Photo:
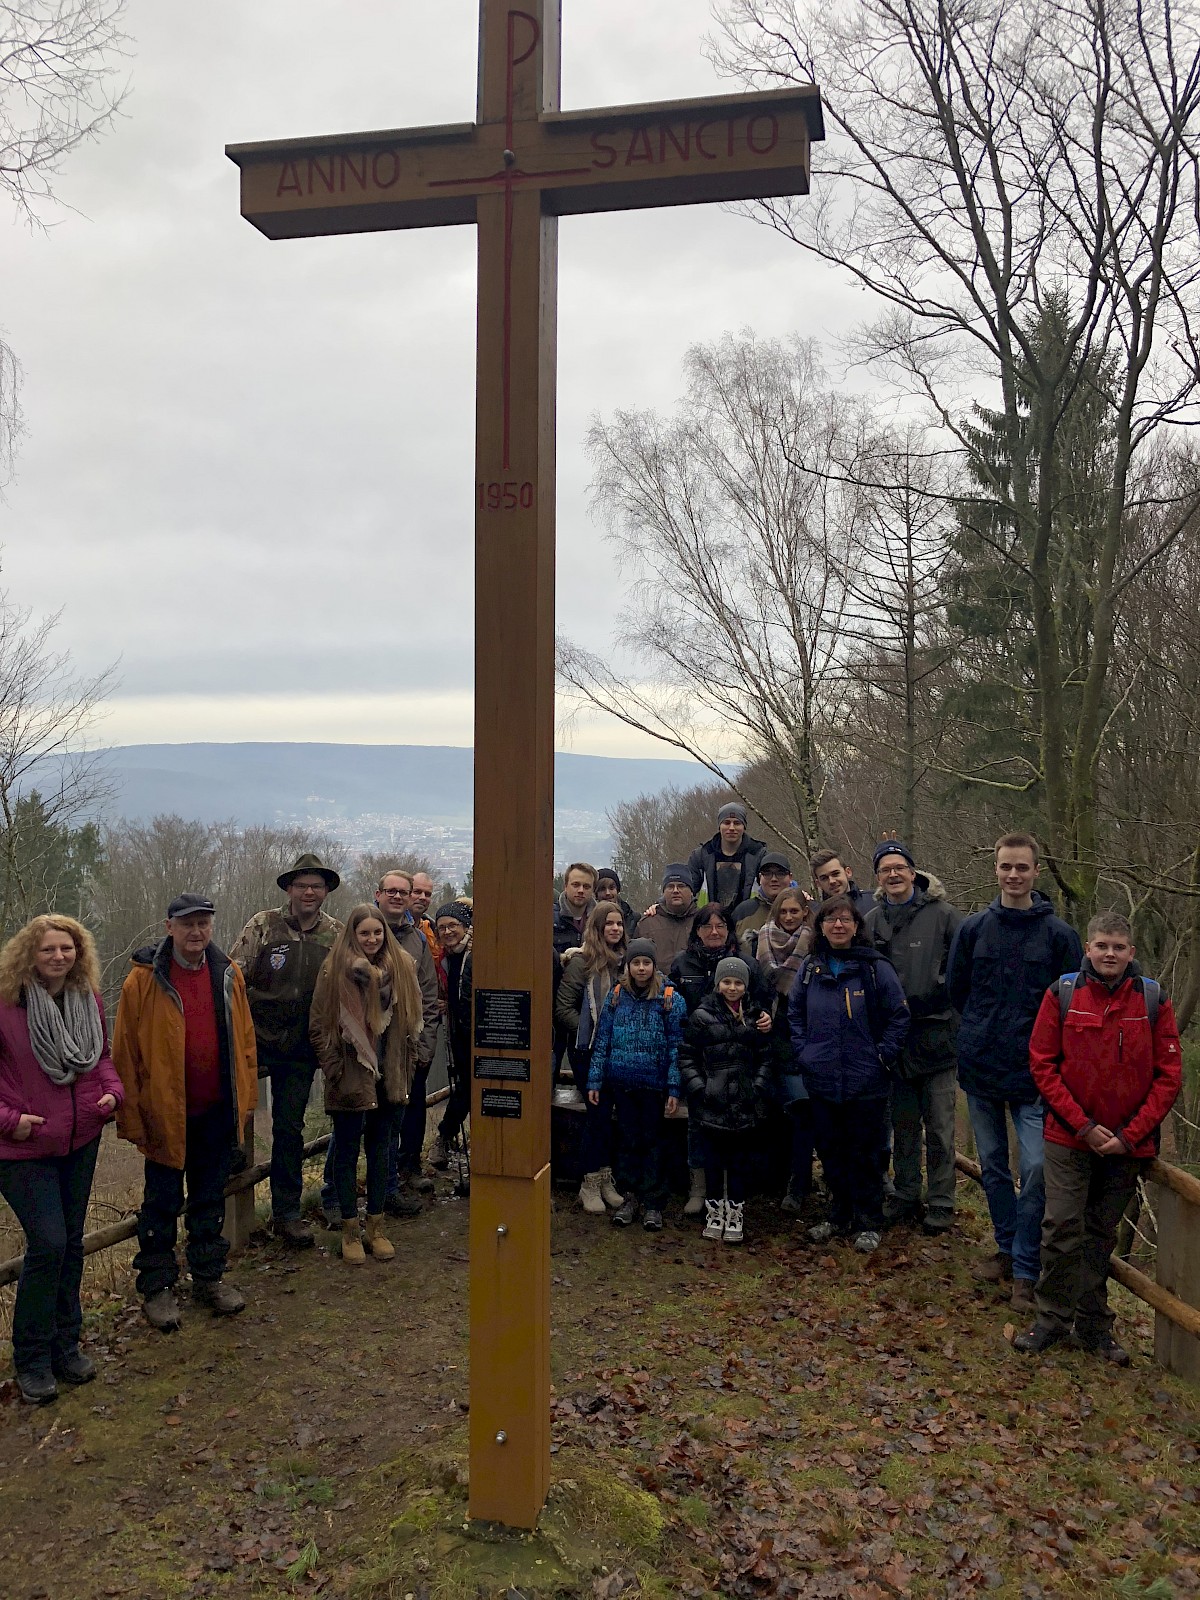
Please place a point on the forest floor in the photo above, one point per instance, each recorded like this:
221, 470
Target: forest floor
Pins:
774, 1420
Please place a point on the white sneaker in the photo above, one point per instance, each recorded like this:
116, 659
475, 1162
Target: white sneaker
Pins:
589, 1195
733, 1221
866, 1241
714, 1226
608, 1190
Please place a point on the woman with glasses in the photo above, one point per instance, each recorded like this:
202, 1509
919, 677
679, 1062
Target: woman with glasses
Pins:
848, 1019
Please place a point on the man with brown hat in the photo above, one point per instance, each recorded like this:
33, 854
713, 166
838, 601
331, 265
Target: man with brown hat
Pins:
280, 952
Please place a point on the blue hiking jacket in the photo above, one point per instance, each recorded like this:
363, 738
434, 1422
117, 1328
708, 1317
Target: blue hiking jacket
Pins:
1001, 963
637, 1040
847, 1030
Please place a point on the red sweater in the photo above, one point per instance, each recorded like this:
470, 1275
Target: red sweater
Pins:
201, 1040
1103, 1064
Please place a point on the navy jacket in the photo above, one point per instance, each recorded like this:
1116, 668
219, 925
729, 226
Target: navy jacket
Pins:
847, 1030
1001, 963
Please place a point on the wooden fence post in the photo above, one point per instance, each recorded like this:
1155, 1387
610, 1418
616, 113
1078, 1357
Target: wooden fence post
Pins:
239, 1208
1178, 1268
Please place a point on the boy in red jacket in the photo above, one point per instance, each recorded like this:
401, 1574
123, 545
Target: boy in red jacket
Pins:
1104, 1054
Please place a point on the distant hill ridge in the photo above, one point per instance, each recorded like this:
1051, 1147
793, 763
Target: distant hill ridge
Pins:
269, 783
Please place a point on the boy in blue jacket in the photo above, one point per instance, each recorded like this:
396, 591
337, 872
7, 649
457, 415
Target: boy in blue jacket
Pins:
636, 1057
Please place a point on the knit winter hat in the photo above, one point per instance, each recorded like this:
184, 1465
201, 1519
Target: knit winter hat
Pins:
677, 872
458, 909
732, 967
891, 847
608, 875
732, 808
641, 947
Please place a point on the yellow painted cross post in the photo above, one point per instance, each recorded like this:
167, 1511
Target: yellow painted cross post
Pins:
513, 172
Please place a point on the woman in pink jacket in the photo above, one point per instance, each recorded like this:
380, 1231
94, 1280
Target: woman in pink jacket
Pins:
58, 1087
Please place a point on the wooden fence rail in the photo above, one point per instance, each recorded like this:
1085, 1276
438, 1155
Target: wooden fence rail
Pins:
241, 1183
1176, 1320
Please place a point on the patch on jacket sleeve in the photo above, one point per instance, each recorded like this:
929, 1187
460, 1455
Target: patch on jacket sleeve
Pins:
278, 958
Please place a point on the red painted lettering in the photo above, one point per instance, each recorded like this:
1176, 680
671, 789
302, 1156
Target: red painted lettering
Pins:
684, 150
602, 149
316, 170
639, 147
288, 185
772, 133
377, 167
359, 173
709, 155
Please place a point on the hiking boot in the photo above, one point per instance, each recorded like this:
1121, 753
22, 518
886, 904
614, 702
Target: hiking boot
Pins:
653, 1220
1022, 1294
1104, 1346
416, 1182
626, 1213
608, 1190
590, 1197
937, 1227
1042, 1336
995, 1269
439, 1156
734, 1210
714, 1223
73, 1366
896, 1212
822, 1232
161, 1311
331, 1217
693, 1206
378, 1243
402, 1205
793, 1204
294, 1232
352, 1245
37, 1388
866, 1241
221, 1298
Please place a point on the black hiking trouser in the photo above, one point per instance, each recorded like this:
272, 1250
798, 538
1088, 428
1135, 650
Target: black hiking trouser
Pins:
639, 1165
205, 1174
851, 1137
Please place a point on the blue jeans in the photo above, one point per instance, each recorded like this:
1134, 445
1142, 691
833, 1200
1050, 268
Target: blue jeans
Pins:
374, 1130
1016, 1219
49, 1199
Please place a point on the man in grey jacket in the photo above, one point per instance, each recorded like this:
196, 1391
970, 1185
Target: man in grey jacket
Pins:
913, 924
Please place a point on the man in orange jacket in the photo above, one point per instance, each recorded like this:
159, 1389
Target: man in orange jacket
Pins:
1105, 1056
184, 1047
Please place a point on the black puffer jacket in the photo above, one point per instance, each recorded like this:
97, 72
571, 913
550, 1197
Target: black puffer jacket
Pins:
692, 972
728, 879
725, 1066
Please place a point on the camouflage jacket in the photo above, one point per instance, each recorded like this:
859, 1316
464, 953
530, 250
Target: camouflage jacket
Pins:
280, 964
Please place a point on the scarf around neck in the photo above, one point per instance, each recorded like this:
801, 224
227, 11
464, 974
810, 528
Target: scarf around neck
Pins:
67, 1043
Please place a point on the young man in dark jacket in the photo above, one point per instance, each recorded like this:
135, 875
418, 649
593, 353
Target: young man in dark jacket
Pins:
832, 877
1001, 964
724, 867
913, 924
774, 875
1108, 1074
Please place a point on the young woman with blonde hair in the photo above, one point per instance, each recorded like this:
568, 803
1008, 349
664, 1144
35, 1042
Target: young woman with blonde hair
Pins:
590, 974
364, 1024
58, 1087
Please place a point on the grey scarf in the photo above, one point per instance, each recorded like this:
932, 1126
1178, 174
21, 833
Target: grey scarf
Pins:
66, 1043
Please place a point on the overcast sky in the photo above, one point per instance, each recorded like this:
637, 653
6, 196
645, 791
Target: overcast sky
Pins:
248, 467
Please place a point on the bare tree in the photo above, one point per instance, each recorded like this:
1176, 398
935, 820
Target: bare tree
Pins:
984, 159
56, 92
46, 714
738, 540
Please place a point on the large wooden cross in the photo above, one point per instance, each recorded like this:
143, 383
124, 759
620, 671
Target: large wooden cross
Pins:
513, 172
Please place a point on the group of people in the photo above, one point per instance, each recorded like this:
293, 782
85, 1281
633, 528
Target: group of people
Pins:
785, 1022
195, 1030
851, 1017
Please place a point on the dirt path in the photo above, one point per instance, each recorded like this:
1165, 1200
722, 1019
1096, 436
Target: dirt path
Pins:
775, 1421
